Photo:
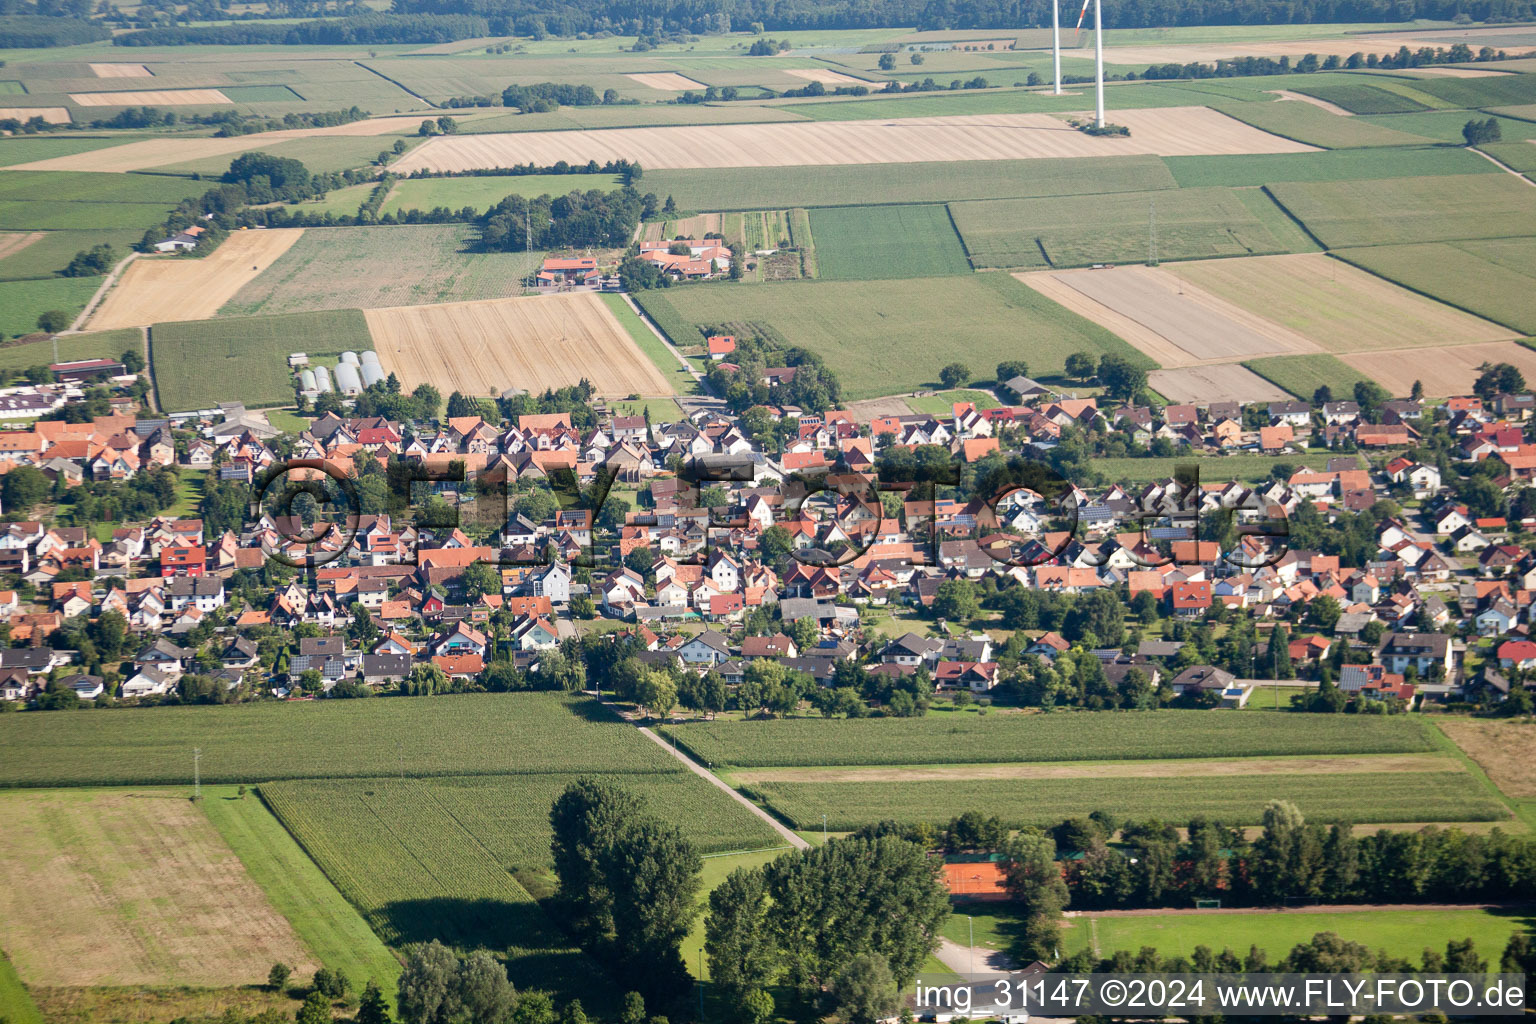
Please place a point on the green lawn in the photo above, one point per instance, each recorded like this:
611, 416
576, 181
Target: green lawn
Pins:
326, 922
22, 302
99, 345
866, 243
1303, 375
1404, 933
942, 403
16, 1006
683, 382
887, 337
189, 492
1275, 698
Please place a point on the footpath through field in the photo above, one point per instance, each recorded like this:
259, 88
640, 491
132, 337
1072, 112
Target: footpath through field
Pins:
709, 776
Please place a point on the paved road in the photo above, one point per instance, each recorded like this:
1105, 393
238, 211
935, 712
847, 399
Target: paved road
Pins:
703, 773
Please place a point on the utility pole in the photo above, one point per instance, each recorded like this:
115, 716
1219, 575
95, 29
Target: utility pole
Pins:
1152, 234
197, 774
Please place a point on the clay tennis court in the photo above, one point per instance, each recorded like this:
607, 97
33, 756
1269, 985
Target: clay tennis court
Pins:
120, 71
150, 97
481, 348
53, 115
825, 76
667, 81
124, 888
1215, 382
1177, 324
1444, 370
1170, 131
159, 289
12, 243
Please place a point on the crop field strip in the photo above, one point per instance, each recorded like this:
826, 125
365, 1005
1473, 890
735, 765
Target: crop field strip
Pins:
1173, 131
880, 242
877, 336
1495, 279
1075, 736
485, 192
1301, 376
1409, 796
199, 363
1360, 98
1407, 210
535, 343
1231, 382
22, 301
1072, 231
376, 266
1328, 165
141, 874
1443, 371
475, 734
163, 288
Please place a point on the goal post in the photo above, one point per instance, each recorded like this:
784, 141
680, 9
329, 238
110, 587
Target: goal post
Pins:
1207, 904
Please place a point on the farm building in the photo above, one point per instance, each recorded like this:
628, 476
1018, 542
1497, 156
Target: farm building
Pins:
558, 270
180, 241
88, 369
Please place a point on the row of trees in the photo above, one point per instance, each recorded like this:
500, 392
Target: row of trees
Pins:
362, 29
578, 220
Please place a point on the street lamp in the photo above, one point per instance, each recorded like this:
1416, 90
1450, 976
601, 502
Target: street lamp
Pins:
970, 927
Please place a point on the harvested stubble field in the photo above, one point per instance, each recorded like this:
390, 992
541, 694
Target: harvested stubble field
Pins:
124, 888
866, 243
120, 71
1501, 748
1074, 736
200, 363
1394, 211
1495, 278
1231, 382
1174, 325
1443, 371
23, 149
825, 76
878, 336
757, 188
369, 267
1172, 131
666, 81
475, 734
155, 289
1338, 306
1074, 231
546, 341
1303, 375
1239, 799
53, 115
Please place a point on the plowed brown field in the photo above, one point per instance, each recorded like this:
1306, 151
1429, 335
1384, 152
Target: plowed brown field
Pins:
546, 341
161, 289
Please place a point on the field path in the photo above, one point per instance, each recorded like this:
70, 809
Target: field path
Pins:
101, 293
662, 337
785, 833
1500, 164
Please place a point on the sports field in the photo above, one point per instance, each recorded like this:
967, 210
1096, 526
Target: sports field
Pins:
1442, 370
200, 363
546, 341
1401, 933
368, 267
1494, 278
1074, 231
1169, 131
142, 875
1338, 306
866, 243
878, 336
1394, 211
157, 288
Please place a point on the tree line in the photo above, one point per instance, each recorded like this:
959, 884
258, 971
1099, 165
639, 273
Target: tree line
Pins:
364, 29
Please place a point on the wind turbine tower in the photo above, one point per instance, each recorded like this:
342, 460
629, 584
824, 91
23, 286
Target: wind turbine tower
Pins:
1098, 56
1055, 46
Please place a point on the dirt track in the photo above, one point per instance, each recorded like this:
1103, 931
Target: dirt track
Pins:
163, 289
546, 341
1170, 131
1301, 97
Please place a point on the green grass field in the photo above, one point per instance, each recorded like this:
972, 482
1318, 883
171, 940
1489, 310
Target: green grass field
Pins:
476, 734
1304, 122
76, 215
483, 192
21, 302
16, 1006
100, 345
1360, 98
200, 363
879, 336
340, 202
1074, 736
1495, 278
1483, 91
1303, 375
52, 252
51, 187
1242, 467
1446, 126
1519, 155
370, 267
299, 891
1393, 211
683, 382
759, 188
1328, 165
1073, 231
868, 243
1402, 933
1239, 799
942, 403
